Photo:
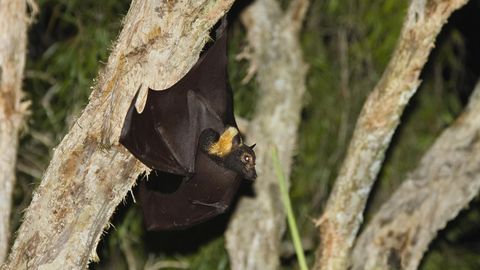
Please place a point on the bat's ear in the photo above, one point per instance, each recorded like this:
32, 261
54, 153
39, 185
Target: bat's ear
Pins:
237, 140
252, 146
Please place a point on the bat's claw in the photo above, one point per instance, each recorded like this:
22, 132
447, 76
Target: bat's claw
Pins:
219, 206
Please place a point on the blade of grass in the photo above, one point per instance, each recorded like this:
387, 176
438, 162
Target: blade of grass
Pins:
292, 224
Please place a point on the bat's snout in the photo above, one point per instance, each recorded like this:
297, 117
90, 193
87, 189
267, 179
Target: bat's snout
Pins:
251, 175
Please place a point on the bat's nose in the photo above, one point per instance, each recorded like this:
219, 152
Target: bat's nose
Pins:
252, 175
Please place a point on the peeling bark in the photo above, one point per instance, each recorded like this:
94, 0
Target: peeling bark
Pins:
90, 173
253, 236
13, 39
446, 180
374, 129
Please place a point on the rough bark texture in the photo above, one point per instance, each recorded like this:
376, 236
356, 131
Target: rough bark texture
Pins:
90, 173
377, 122
253, 236
13, 38
445, 181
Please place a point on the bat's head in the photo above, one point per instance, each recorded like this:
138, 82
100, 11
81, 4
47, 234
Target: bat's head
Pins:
229, 150
242, 160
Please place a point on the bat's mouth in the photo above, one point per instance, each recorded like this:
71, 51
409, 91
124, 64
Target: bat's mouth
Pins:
250, 175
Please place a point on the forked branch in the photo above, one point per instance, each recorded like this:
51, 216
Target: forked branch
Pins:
374, 129
445, 181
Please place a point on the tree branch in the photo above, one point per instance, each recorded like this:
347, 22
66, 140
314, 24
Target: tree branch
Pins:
90, 173
253, 236
374, 129
13, 40
446, 180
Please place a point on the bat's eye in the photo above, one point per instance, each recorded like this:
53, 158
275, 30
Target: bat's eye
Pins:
247, 158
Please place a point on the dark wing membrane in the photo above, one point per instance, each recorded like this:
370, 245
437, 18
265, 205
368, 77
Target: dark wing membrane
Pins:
209, 79
207, 194
165, 135
212, 78
148, 139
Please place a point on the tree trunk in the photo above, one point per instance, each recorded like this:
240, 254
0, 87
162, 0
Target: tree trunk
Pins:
374, 129
253, 236
90, 173
446, 180
13, 39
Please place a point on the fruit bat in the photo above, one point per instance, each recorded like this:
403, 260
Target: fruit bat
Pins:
188, 132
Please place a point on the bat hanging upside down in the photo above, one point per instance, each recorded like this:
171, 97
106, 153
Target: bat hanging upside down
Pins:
189, 130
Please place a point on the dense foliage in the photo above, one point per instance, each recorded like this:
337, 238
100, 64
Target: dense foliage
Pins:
347, 44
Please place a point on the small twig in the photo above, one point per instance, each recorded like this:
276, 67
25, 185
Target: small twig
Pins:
33, 11
162, 264
29, 170
246, 54
40, 75
127, 250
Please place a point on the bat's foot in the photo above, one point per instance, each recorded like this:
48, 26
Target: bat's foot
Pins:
221, 207
187, 177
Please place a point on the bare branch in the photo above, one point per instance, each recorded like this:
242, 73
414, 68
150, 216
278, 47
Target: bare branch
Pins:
446, 180
13, 39
253, 237
377, 122
296, 13
90, 173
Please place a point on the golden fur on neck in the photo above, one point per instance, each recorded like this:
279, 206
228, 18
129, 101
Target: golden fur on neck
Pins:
224, 144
